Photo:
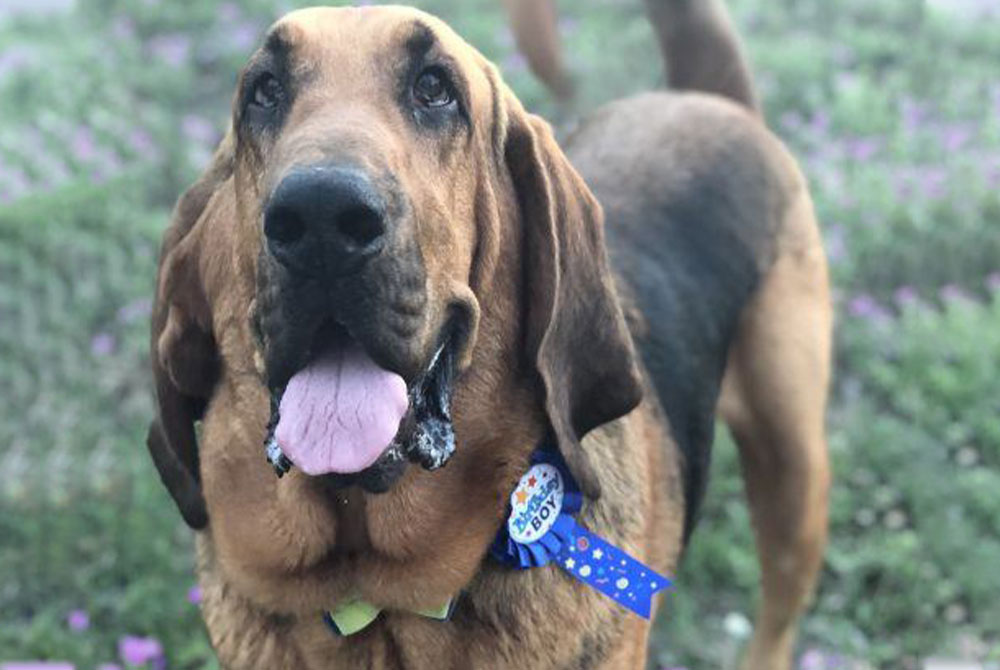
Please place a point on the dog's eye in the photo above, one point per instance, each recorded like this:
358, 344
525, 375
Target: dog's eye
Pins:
268, 92
433, 89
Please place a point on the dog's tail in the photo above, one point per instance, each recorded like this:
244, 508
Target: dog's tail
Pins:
701, 49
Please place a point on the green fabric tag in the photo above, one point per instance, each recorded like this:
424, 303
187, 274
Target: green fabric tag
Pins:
356, 615
353, 616
442, 613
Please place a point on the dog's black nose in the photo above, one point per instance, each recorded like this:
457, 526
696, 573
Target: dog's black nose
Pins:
325, 219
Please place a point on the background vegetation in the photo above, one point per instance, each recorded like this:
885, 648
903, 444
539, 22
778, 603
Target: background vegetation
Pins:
108, 109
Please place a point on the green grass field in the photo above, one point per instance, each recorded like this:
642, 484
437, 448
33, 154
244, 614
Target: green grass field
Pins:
893, 107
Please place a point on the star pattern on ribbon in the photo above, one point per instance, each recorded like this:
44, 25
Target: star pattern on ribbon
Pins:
583, 554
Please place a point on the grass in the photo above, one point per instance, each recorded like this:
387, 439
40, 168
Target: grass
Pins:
893, 109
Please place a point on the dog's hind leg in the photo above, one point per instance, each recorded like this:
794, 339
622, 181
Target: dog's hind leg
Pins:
774, 399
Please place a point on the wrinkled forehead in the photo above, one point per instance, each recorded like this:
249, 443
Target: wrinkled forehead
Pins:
364, 42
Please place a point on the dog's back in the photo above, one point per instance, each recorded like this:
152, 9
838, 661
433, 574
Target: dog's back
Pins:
687, 181
711, 231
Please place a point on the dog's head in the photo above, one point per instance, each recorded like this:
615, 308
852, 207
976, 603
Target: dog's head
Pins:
382, 219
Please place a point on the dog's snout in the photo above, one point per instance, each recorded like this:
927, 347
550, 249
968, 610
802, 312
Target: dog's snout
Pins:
325, 219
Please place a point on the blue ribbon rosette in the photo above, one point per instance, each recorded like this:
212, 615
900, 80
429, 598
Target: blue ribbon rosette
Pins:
541, 529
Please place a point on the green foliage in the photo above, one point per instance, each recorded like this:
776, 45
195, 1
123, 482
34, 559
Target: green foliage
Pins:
893, 109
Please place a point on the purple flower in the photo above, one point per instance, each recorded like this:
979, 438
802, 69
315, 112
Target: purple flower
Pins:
791, 121
993, 282
906, 296
568, 25
902, 185
820, 122
141, 142
933, 183
514, 63
123, 28
78, 621
107, 164
14, 59
228, 12
955, 136
954, 293
102, 344
862, 149
505, 37
194, 595
913, 114
242, 36
812, 659
866, 307
109, 666
15, 181
138, 651
83, 144
198, 128
993, 173
172, 49
845, 80
135, 310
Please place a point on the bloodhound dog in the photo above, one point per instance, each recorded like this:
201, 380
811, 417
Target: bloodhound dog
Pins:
388, 260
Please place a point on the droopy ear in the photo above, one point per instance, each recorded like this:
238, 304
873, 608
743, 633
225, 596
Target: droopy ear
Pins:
183, 352
575, 326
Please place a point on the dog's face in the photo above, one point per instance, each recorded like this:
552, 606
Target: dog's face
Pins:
357, 155
355, 146
383, 223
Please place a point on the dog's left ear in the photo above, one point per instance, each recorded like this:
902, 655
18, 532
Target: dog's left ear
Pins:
575, 327
184, 356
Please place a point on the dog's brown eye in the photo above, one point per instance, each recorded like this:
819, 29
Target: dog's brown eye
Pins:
432, 88
268, 92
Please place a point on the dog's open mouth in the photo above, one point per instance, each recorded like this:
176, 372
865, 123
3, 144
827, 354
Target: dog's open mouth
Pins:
345, 416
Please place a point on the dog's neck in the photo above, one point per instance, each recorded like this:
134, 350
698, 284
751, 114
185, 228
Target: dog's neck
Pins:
295, 545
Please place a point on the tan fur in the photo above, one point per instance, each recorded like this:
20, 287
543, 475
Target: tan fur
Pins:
774, 401
507, 228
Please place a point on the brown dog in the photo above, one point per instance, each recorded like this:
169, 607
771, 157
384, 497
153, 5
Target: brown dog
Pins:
385, 215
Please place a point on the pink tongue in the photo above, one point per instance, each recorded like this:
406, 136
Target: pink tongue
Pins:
340, 413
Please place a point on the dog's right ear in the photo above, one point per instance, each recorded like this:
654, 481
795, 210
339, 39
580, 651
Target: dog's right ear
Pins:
182, 348
575, 328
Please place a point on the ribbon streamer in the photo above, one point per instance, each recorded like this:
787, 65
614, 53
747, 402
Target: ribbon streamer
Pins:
541, 529
603, 566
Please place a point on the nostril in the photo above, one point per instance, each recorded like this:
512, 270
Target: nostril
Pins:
360, 225
284, 226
